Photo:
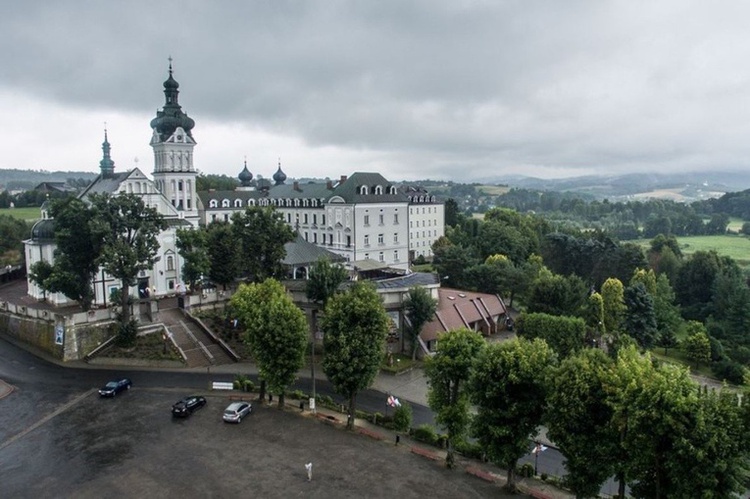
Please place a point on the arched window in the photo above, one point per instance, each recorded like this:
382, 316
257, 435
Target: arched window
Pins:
363, 190
238, 203
296, 202
225, 203
378, 190
392, 190
305, 203
213, 203
170, 262
288, 203
251, 202
315, 202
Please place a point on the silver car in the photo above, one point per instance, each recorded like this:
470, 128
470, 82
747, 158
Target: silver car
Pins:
236, 411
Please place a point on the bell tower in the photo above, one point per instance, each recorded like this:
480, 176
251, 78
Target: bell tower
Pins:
173, 143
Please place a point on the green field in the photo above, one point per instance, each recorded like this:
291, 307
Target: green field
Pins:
735, 246
32, 213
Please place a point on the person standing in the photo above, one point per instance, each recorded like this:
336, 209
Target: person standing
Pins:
308, 467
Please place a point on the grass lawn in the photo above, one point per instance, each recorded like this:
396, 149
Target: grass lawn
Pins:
400, 363
735, 246
29, 213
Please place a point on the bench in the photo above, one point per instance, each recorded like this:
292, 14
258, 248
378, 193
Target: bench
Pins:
222, 385
370, 433
425, 453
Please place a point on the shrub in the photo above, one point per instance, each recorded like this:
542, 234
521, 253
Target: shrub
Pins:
248, 385
126, 334
472, 450
526, 470
425, 433
402, 417
729, 370
239, 381
299, 395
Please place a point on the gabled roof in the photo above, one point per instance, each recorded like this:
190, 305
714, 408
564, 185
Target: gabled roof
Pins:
408, 281
109, 184
457, 309
350, 189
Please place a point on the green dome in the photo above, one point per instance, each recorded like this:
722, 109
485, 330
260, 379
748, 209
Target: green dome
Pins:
43, 230
171, 116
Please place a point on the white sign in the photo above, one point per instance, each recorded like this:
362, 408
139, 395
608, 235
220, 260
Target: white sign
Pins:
59, 334
312, 403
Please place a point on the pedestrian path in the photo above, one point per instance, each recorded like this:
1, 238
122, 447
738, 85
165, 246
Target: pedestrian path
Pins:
199, 348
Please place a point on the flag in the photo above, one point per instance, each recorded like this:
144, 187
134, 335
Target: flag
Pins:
539, 448
393, 401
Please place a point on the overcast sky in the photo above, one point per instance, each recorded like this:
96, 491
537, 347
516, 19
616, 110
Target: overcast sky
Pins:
449, 89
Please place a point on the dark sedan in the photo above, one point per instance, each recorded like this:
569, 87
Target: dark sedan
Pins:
186, 406
114, 387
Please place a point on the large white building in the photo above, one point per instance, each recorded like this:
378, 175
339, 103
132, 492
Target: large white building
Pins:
172, 193
361, 217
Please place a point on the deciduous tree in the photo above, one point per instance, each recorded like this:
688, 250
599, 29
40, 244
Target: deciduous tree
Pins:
509, 388
262, 234
640, 320
419, 308
277, 331
192, 245
355, 326
448, 372
565, 335
614, 304
129, 236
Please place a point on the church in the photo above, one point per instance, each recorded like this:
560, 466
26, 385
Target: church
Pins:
172, 192
368, 221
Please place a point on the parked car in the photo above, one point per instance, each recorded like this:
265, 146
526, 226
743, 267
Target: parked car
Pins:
114, 387
236, 411
186, 406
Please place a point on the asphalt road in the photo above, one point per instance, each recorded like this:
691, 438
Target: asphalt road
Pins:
43, 387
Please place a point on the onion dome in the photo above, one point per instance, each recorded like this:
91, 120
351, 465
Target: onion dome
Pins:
245, 176
106, 165
279, 177
43, 230
171, 116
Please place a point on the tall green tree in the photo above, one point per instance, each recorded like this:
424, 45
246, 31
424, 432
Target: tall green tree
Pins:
508, 386
557, 295
355, 326
579, 421
419, 308
77, 253
192, 245
262, 234
565, 335
640, 319
224, 259
12, 233
277, 331
614, 304
697, 347
324, 281
129, 233
448, 372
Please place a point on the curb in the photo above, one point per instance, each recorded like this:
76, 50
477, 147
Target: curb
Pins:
5, 389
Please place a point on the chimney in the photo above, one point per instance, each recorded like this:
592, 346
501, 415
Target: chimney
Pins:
296, 185
343, 179
329, 185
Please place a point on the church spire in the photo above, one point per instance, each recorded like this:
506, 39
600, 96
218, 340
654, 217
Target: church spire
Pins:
106, 165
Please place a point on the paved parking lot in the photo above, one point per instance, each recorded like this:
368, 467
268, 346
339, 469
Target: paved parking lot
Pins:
130, 446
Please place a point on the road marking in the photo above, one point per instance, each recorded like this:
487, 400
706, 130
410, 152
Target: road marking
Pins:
39, 423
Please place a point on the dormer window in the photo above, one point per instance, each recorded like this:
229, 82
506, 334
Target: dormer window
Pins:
392, 190
251, 202
363, 190
225, 203
213, 203
378, 190
296, 202
238, 203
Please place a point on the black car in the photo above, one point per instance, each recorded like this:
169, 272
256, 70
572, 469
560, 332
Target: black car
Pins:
186, 406
114, 387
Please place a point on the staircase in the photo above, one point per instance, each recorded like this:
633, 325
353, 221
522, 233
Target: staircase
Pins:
199, 348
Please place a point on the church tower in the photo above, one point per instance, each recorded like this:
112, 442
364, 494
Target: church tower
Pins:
173, 143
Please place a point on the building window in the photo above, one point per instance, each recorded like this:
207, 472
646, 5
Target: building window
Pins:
306, 236
378, 190
315, 237
367, 219
395, 256
395, 219
315, 219
238, 203
289, 218
367, 255
381, 239
395, 237
381, 219
188, 204
323, 218
179, 186
226, 217
170, 263
381, 257
225, 203
363, 190
170, 284
348, 241
213, 218
213, 203
305, 219
367, 239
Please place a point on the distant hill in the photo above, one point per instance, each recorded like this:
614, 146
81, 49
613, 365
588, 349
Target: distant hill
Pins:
27, 179
686, 186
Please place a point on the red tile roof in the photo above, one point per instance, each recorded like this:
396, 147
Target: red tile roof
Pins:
457, 309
